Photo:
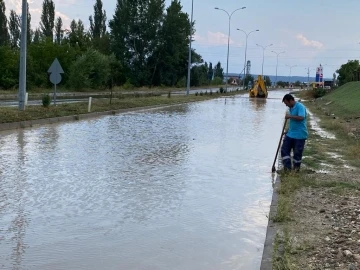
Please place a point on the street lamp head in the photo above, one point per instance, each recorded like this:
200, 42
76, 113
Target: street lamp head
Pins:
243, 7
257, 30
216, 8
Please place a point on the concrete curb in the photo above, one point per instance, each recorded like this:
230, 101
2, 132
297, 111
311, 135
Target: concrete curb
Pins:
45, 121
266, 261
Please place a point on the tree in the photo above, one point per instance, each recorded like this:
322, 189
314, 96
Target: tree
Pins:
249, 78
267, 80
37, 35
282, 84
297, 83
135, 30
100, 38
199, 75
349, 72
91, 70
219, 71
98, 22
169, 62
4, 33
59, 32
77, 35
9, 68
48, 19
210, 72
29, 31
14, 29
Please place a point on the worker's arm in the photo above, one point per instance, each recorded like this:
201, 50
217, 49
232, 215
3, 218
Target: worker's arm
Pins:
295, 117
299, 115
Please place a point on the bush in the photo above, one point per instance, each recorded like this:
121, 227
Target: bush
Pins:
181, 83
319, 92
201, 93
169, 95
221, 89
128, 85
91, 70
196, 93
217, 81
46, 100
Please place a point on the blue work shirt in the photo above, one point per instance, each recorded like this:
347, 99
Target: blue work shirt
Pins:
298, 129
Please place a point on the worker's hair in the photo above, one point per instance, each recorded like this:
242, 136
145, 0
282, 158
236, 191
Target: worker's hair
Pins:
288, 97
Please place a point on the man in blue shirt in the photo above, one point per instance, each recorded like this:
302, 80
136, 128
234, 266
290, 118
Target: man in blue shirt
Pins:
296, 135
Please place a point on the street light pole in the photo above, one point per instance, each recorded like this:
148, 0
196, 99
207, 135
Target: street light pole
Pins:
277, 63
228, 48
247, 35
22, 75
262, 69
190, 40
290, 72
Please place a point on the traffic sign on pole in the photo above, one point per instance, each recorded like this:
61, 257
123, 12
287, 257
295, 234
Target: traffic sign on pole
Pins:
55, 71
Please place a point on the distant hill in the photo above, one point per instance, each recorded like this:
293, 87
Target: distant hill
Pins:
281, 78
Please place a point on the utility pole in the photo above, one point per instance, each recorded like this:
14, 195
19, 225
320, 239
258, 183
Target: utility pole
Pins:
22, 75
189, 60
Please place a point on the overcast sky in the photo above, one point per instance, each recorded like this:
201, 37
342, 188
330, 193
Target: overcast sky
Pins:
311, 32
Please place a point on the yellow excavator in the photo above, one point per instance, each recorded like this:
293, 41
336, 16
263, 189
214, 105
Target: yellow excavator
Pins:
259, 89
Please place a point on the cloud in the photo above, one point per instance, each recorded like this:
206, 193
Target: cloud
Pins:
214, 39
35, 8
309, 43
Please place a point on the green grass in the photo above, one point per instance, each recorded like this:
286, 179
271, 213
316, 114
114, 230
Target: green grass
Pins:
316, 151
345, 100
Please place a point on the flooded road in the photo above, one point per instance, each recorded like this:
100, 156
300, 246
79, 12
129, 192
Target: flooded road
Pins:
182, 187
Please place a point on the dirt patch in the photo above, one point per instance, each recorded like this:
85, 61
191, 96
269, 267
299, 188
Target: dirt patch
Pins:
327, 230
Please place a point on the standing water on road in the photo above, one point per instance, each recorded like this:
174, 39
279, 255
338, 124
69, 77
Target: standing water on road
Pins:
181, 187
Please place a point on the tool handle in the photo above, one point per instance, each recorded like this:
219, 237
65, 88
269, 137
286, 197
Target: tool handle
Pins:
277, 151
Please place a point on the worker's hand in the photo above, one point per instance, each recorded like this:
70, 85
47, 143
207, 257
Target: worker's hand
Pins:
287, 116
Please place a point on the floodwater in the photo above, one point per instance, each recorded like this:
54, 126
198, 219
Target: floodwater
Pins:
182, 187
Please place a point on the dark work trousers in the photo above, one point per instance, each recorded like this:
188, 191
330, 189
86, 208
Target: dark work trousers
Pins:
297, 146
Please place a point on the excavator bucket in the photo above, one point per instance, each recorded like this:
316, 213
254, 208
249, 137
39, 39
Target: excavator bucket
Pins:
259, 89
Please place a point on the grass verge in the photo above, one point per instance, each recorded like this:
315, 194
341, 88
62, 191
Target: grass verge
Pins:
295, 242
8, 115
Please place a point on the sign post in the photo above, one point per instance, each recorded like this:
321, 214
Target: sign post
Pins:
55, 71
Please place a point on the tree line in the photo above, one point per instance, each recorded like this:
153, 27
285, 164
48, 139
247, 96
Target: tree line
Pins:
143, 44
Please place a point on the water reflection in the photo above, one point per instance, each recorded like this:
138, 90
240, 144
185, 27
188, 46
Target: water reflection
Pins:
258, 104
182, 187
13, 201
